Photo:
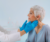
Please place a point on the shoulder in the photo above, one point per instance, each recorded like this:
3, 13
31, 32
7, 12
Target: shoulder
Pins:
47, 27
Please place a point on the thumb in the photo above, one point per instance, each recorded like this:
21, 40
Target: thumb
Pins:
29, 22
25, 22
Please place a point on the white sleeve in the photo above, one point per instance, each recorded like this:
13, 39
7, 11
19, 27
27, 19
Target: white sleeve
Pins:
9, 37
3, 30
17, 34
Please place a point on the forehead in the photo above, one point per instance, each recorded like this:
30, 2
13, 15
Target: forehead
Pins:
31, 10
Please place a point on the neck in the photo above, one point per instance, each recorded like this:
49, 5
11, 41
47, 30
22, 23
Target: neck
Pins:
40, 24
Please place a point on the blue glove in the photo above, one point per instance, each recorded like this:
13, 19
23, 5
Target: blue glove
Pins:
23, 26
30, 26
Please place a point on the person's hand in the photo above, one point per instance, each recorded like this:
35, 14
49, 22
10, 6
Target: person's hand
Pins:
29, 26
23, 26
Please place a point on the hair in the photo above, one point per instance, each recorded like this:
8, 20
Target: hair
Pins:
38, 10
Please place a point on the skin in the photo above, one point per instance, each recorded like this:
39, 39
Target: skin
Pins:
31, 17
21, 32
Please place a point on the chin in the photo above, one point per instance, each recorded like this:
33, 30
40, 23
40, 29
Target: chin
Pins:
29, 20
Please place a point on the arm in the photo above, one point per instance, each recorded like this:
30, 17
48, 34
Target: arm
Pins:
21, 32
27, 27
9, 37
3, 30
15, 36
47, 33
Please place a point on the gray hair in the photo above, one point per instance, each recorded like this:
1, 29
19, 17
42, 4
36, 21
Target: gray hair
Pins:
38, 10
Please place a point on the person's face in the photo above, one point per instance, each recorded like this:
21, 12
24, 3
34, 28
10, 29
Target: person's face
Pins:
31, 16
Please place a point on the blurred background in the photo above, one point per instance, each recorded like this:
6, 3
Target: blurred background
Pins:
13, 13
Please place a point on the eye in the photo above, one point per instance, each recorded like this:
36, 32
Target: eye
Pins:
30, 13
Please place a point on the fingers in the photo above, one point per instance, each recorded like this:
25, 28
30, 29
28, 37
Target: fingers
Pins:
29, 22
35, 22
25, 22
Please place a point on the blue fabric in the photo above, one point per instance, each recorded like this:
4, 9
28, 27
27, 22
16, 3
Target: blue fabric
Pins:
42, 36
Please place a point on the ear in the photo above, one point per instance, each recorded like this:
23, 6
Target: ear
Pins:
38, 17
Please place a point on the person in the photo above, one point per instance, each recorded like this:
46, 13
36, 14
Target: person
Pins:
41, 33
12, 36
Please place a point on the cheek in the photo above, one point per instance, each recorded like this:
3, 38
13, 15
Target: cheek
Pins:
32, 18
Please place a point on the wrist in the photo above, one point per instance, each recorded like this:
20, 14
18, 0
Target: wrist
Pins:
22, 32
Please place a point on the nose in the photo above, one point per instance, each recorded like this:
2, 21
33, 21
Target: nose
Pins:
28, 15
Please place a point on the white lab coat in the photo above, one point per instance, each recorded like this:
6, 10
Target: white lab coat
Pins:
9, 36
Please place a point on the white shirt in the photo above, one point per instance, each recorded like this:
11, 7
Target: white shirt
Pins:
9, 36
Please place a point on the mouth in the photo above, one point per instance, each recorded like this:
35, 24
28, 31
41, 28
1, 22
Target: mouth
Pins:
28, 18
